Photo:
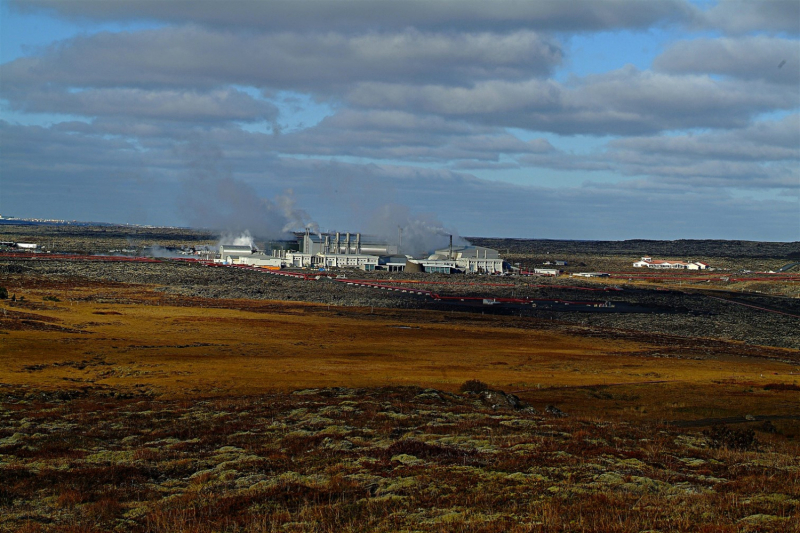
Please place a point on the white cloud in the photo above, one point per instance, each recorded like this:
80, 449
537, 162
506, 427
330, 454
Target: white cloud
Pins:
413, 91
770, 59
200, 58
625, 101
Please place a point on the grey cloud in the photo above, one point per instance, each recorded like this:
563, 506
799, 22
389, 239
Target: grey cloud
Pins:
759, 156
564, 161
112, 177
144, 131
53, 174
764, 155
199, 58
399, 121
380, 135
43, 149
742, 16
396, 135
590, 212
483, 98
190, 106
626, 101
484, 165
716, 174
355, 15
746, 58
762, 141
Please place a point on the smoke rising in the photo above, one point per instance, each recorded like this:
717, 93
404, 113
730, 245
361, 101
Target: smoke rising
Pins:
421, 233
243, 239
213, 199
233, 207
157, 251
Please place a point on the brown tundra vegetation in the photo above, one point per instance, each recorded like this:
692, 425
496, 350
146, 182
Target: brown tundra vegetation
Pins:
130, 407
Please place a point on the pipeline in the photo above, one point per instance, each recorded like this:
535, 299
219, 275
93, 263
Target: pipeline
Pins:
76, 257
752, 306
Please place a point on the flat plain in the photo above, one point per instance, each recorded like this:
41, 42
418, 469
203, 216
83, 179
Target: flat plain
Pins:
130, 405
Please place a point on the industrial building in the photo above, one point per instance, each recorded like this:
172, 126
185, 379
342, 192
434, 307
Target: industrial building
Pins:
648, 262
343, 244
245, 255
20, 245
469, 259
337, 250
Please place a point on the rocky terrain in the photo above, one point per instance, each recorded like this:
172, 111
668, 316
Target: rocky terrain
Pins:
682, 314
116, 415
102, 239
402, 459
596, 255
638, 247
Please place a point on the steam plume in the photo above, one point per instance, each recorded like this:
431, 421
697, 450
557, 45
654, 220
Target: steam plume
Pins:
213, 199
243, 239
421, 233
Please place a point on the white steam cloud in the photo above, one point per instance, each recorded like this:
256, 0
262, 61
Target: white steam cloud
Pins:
421, 233
213, 199
243, 239
157, 251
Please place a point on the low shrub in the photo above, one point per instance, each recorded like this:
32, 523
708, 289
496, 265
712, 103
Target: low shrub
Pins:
434, 452
474, 385
733, 439
782, 386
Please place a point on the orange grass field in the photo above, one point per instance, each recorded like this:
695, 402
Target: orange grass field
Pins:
134, 337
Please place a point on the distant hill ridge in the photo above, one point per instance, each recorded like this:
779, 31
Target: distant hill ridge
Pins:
641, 247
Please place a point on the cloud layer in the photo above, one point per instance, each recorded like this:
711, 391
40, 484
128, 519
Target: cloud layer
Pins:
455, 108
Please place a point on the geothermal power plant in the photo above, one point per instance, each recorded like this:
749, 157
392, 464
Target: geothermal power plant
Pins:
336, 250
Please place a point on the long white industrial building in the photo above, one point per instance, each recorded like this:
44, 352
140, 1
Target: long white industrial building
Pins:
349, 251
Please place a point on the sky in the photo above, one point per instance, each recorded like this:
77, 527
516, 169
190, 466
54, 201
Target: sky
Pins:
588, 119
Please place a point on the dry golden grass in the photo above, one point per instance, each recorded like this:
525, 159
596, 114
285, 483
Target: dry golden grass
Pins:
217, 450
132, 337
